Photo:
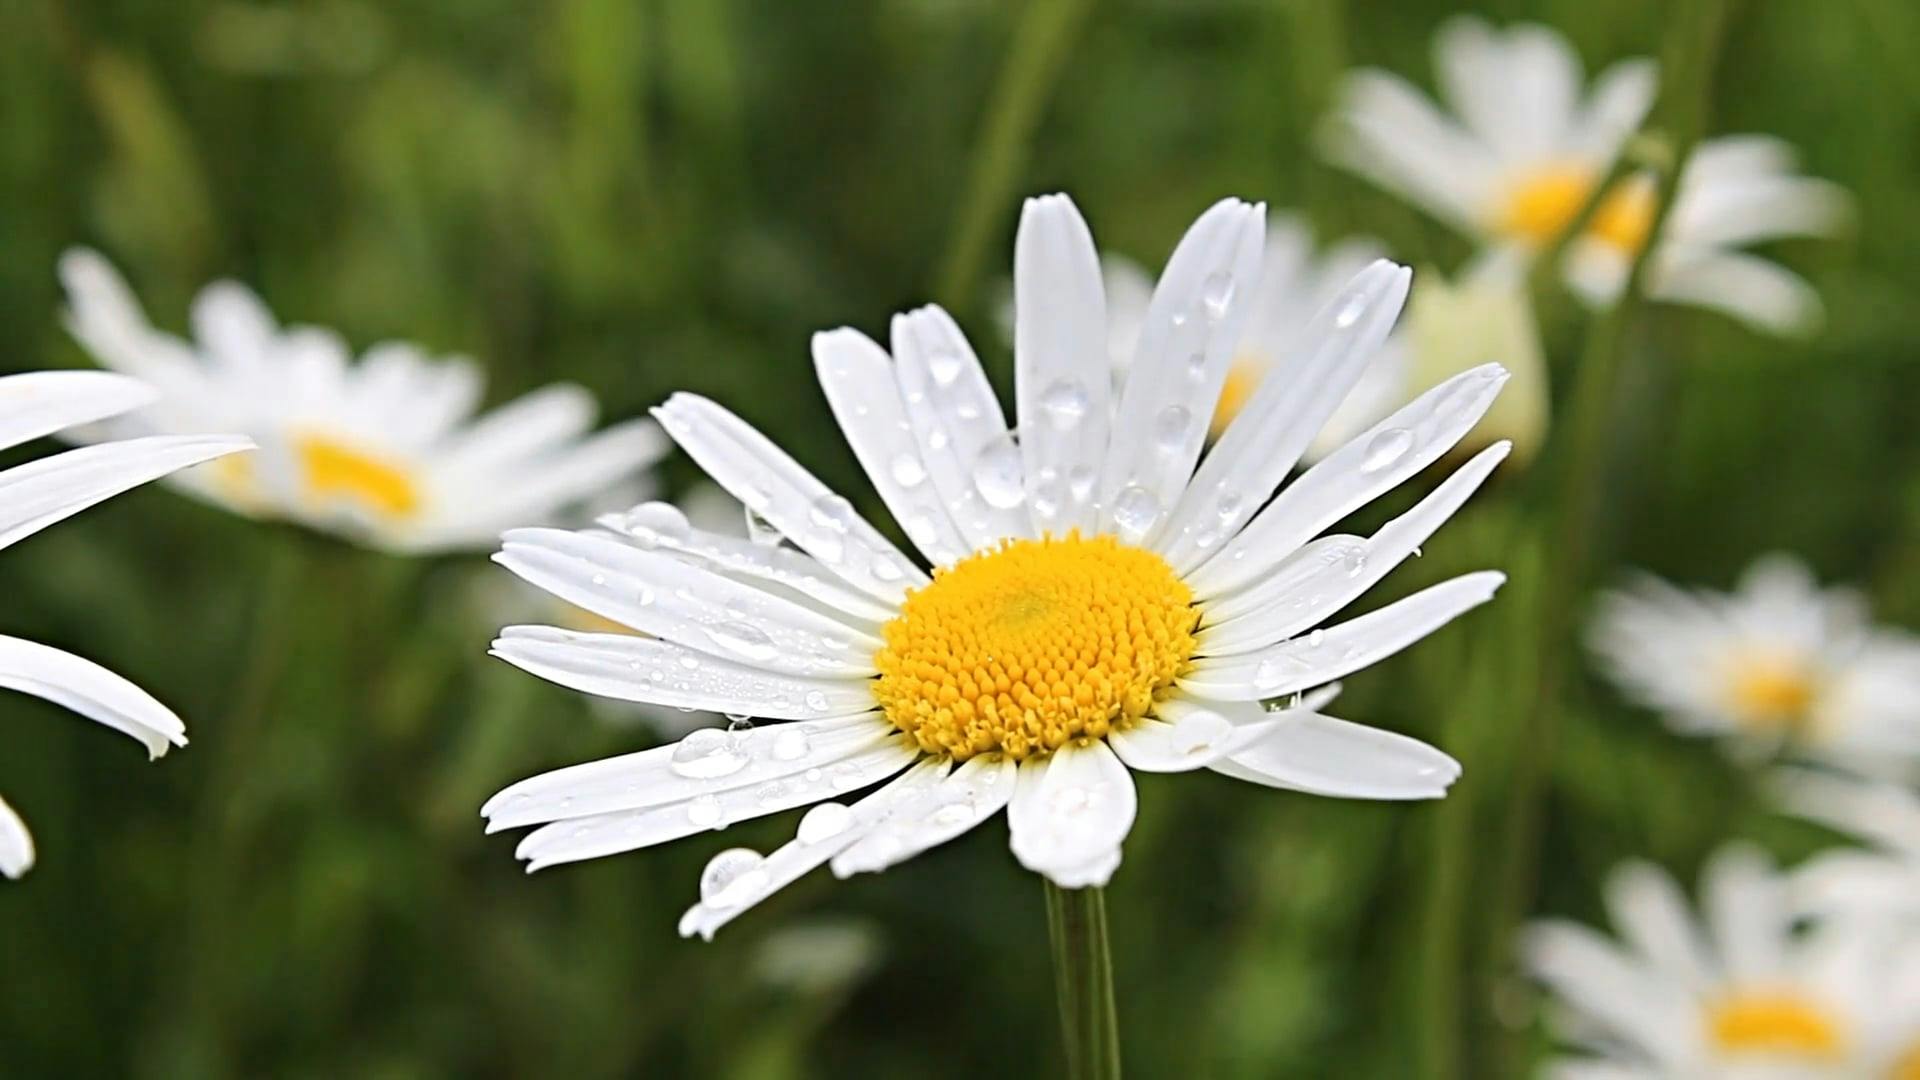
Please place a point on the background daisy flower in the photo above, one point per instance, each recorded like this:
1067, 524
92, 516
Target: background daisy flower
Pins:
39, 493
1525, 144
1883, 878
1778, 662
1741, 993
1097, 604
386, 450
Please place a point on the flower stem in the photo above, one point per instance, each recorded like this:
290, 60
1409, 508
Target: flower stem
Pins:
1040, 43
1083, 977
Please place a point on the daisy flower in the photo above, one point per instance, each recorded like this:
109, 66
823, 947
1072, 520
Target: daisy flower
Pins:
1882, 879
1777, 663
1519, 157
1746, 996
1096, 603
387, 450
39, 493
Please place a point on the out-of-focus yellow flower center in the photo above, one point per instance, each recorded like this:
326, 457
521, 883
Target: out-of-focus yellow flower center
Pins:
1908, 1067
1029, 646
1782, 1025
331, 471
1243, 378
1542, 204
1772, 691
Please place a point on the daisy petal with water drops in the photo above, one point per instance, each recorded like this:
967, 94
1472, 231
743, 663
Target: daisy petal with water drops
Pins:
1061, 632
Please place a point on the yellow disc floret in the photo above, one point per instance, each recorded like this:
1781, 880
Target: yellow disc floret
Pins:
332, 470
1026, 647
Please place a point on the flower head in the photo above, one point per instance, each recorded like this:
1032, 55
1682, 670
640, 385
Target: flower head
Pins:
1527, 142
1748, 994
1101, 597
1778, 662
39, 493
386, 450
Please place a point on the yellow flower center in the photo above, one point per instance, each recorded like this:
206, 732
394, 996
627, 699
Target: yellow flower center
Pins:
1780, 1025
1772, 692
1026, 647
1908, 1067
332, 471
1542, 204
1243, 378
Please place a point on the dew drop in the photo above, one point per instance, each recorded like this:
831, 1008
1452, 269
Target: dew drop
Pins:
760, 530
743, 639
1135, 511
1356, 562
1350, 312
996, 474
1227, 505
1170, 429
1197, 365
824, 822
944, 365
656, 523
1065, 403
705, 812
832, 513
708, 754
1386, 448
1317, 638
732, 878
1080, 482
791, 743
907, 470
817, 700
1216, 292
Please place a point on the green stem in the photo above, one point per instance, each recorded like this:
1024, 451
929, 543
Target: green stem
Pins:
1083, 977
1040, 43
1579, 483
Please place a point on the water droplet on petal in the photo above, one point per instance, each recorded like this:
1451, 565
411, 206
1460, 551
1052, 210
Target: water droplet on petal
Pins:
732, 878
817, 700
1080, 480
791, 743
824, 822
944, 365
1170, 428
656, 523
743, 639
1066, 403
708, 754
1216, 292
760, 530
1316, 639
1135, 511
996, 474
1350, 313
907, 470
706, 812
832, 513
1386, 448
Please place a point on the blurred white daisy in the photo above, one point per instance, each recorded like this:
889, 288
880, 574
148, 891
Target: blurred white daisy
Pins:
387, 450
1881, 879
1747, 996
1521, 154
1096, 605
1779, 663
39, 493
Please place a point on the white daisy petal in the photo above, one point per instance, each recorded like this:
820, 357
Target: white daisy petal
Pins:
1306, 751
104, 316
971, 794
1378, 460
1070, 812
704, 761
1285, 604
665, 527
722, 804
1651, 913
90, 690
861, 388
1186, 347
1190, 733
42, 402
623, 666
1388, 132
1293, 579
1593, 975
41, 492
1756, 291
762, 476
1277, 424
16, 843
1338, 650
806, 852
664, 597
1060, 363
1621, 96
235, 328
962, 432
525, 427
1747, 912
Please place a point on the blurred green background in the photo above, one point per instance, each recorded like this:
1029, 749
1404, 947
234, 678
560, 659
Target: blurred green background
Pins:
646, 196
